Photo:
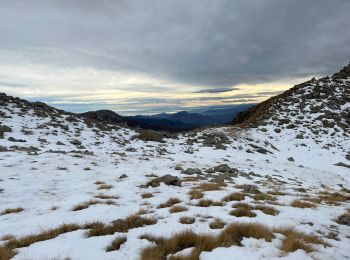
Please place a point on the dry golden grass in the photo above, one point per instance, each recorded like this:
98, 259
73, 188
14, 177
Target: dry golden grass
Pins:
195, 194
267, 210
6, 253
11, 210
334, 198
209, 186
105, 187
242, 205
85, 205
7, 250
302, 204
208, 203
236, 196
277, 193
146, 195
344, 218
116, 243
312, 199
231, 235
187, 220
105, 197
99, 182
242, 212
120, 225
7, 237
295, 240
89, 203
178, 208
170, 202
264, 196
217, 224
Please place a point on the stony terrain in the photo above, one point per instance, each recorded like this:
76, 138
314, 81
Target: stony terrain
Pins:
277, 185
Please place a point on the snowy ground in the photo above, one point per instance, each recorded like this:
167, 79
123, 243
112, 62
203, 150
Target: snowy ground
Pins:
47, 185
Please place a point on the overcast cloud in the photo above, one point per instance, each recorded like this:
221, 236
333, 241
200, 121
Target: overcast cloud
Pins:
178, 47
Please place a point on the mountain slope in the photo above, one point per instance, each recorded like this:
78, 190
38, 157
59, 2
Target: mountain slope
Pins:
121, 195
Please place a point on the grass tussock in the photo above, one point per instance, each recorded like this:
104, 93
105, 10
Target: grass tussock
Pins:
264, 196
267, 210
217, 224
344, 219
11, 210
99, 182
146, 195
187, 220
313, 200
277, 193
89, 203
231, 235
120, 225
208, 203
105, 187
105, 197
295, 240
195, 194
209, 186
176, 209
242, 212
116, 244
170, 202
242, 205
302, 204
7, 251
334, 198
236, 196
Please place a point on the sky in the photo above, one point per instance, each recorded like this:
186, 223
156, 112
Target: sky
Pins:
146, 57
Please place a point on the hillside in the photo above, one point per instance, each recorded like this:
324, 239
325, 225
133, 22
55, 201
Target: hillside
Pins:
275, 185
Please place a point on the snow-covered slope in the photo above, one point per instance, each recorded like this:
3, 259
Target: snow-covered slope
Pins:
56, 168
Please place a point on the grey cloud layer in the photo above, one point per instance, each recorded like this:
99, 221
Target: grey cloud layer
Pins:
214, 44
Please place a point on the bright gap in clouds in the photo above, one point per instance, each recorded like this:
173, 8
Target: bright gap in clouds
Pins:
83, 89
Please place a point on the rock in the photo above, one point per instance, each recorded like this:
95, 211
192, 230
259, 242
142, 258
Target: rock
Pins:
251, 189
150, 135
166, 179
4, 129
178, 167
75, 142
215, 140
60, 143
224, 168
170, 180
344, 219
291, 159
123, 176
191, 171
12, 139
277, 130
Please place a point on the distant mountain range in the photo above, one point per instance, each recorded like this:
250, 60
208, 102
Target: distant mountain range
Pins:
174, 122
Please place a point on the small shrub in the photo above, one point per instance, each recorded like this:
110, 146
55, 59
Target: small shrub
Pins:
302, 204
116, 243
170, 202
187, 220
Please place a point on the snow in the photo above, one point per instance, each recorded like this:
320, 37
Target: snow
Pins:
48, 185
